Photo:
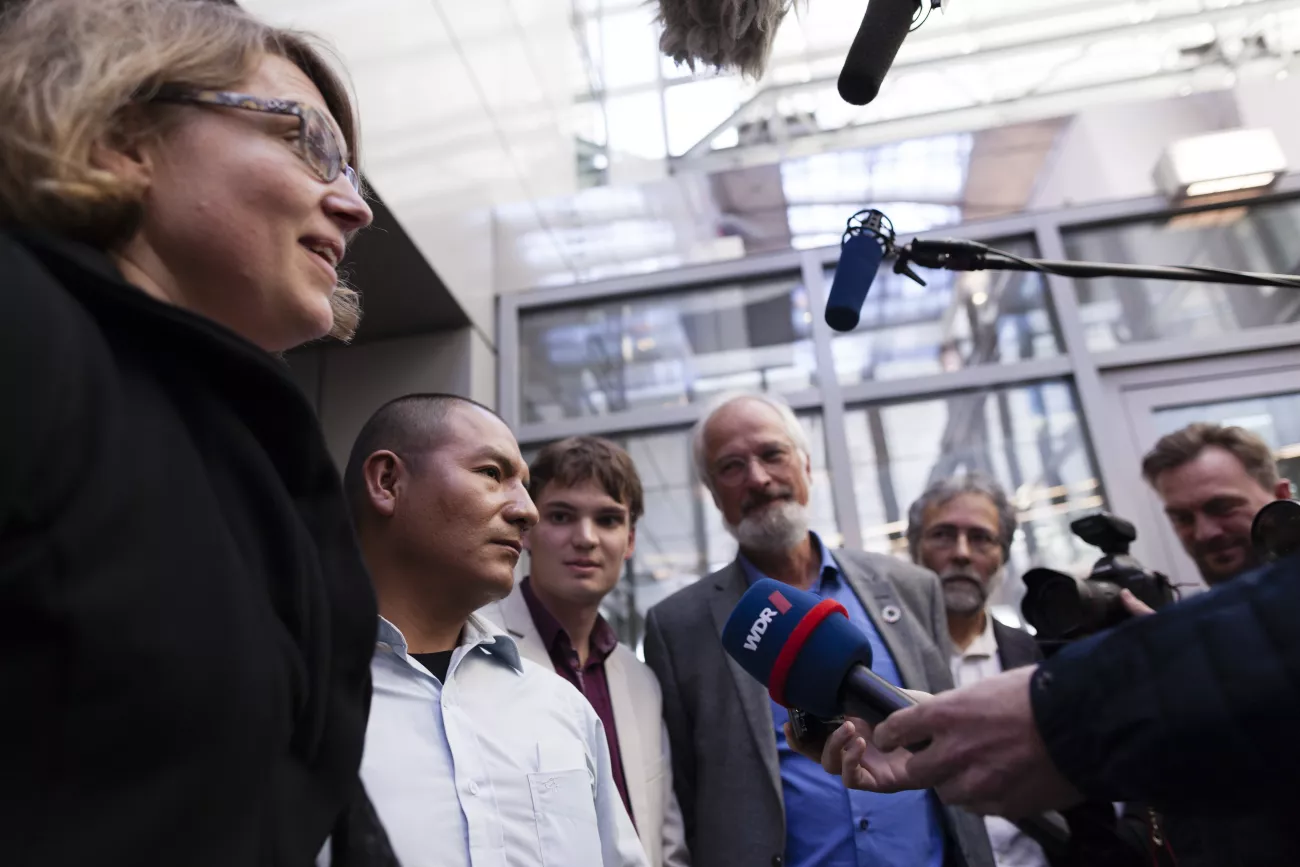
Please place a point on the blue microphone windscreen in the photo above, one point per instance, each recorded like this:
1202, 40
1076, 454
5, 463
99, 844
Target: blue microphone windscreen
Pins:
761, 625
860, 259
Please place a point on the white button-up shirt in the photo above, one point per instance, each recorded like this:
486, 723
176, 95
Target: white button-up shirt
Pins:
1011, 847
506, 765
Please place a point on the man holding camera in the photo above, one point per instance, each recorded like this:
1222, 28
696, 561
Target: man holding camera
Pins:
1212, 481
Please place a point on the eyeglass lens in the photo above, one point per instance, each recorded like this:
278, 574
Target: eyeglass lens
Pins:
321, 148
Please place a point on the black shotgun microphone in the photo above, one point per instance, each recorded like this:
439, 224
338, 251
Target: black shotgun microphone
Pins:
884, 27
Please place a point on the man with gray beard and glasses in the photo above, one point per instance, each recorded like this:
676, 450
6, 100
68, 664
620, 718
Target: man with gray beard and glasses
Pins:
747, 797
961, 529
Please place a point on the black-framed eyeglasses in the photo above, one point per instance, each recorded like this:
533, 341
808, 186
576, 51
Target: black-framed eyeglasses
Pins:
318, 146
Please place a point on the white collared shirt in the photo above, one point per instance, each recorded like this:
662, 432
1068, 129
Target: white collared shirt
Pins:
1011, 848
504, 766
979, 660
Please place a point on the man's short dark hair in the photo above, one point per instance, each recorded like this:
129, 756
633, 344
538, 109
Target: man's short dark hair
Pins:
406, 426
1173, 450
576, 460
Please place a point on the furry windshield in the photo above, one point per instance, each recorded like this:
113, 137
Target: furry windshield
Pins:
723, 34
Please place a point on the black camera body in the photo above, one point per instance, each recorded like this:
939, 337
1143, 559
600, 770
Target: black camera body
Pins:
1275, 532
1062, 608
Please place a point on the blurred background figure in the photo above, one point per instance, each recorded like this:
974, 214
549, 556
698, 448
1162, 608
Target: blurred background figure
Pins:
185, 622
961, 529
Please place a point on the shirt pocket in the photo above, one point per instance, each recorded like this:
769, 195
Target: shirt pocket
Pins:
564, 807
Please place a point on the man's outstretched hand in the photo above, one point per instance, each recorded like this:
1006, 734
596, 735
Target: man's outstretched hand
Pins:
985, 752
848, 755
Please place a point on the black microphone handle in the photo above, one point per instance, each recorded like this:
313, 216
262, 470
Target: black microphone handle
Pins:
884, 26
867, 695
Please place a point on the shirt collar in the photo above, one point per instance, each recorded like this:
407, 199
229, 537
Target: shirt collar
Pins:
477, 633
830, 570
985, 644
603, 637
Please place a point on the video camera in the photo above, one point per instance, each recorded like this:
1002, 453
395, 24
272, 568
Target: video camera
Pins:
1062, 608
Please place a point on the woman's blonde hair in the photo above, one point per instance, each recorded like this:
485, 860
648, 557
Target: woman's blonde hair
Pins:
77, 72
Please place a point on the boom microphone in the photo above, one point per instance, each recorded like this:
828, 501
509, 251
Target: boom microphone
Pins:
868, 238
884, 26
807, 653
860, 258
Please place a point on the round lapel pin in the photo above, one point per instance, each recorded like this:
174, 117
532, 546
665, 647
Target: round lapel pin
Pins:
891, 613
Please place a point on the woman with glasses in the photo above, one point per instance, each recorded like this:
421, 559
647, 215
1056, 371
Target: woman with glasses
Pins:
185, 623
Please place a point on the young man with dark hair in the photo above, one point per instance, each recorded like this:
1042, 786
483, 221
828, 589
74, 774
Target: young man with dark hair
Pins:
473, 755
589, 497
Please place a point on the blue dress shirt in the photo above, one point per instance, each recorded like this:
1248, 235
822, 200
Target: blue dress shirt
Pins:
826, 824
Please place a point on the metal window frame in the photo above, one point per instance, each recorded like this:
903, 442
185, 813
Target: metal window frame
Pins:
1111, 449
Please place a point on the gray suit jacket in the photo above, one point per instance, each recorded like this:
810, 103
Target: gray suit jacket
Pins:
725, 766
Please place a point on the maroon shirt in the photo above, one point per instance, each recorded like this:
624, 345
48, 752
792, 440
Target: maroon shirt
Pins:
589, 679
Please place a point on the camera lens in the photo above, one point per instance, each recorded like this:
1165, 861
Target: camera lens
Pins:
1275, 532
1062, 607
1059, 612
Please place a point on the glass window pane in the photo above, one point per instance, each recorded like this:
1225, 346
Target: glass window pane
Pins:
1256, 238
665, 350
1027, 437
694, 109
1274, 418
681, 537
635, 125
957, 320
629, 47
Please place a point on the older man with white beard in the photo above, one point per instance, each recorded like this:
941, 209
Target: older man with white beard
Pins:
747, 797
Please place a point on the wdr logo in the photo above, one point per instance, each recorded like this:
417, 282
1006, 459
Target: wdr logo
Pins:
765, 616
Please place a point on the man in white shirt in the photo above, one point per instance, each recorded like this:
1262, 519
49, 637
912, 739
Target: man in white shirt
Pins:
473, 756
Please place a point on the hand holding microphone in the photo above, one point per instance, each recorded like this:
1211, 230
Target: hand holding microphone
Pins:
812, 659
849, 754
976, 747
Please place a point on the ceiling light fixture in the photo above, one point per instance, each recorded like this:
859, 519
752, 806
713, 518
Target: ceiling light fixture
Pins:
1221, 162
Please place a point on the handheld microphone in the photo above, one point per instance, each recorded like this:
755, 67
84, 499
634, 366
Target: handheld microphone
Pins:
811, 658
884, 26
808, 655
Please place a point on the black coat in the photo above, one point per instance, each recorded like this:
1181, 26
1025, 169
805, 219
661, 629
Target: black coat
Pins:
1194, 711
185, 622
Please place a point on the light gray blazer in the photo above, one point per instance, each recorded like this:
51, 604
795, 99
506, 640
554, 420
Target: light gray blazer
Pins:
725, 766
642, 741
